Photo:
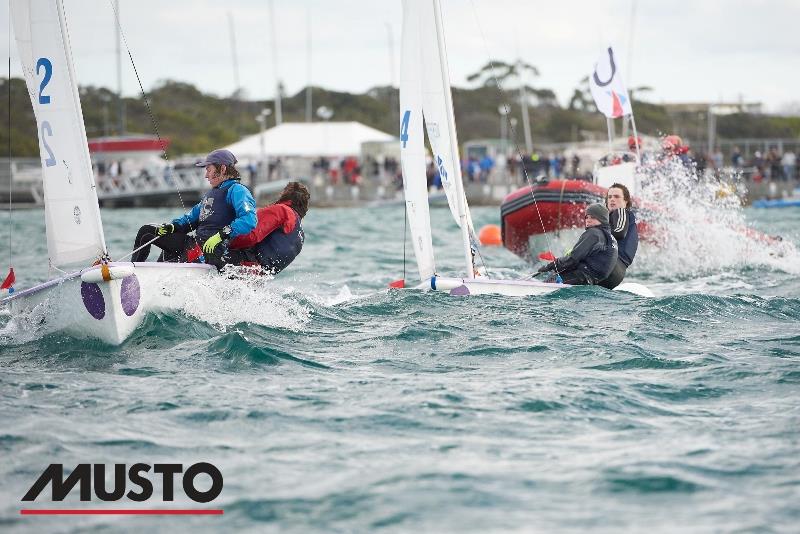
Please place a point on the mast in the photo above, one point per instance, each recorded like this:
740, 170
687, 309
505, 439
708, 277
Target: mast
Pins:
391, 69
120, 102
235, 97
234, 57
278, 107
461, 199
83, 152
309, 118
523, 102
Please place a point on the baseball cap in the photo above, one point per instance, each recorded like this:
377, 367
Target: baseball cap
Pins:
218, 157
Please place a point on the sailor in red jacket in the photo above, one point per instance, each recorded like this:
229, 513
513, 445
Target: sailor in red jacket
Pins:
278, 237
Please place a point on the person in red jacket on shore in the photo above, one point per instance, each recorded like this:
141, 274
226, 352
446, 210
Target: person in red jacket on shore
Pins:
278, 237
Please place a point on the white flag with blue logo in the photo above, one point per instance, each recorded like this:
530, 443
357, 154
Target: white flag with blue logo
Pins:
605, 82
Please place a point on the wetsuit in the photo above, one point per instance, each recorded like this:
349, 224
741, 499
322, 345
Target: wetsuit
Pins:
274, 243
230, 204
623, 228
592, 258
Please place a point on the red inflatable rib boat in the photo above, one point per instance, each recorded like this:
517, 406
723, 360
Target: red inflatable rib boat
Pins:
530, 227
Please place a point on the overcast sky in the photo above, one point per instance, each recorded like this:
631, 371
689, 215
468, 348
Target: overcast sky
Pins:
708, 50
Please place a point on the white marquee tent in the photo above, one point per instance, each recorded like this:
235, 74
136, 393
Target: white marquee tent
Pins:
308, 139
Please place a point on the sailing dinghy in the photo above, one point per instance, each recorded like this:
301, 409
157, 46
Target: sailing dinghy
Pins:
106, 300
425, 95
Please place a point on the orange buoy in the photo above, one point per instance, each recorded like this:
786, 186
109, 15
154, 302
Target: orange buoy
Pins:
490, 235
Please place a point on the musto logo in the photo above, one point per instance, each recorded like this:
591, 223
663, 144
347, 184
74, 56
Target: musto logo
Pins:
132, 483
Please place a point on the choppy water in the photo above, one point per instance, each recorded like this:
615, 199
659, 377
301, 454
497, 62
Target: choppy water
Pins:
331, 404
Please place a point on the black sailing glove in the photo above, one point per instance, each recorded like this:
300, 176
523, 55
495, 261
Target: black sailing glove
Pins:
548, 267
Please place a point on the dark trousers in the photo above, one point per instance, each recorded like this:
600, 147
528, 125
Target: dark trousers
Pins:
174, 246
575, 278
239, 256
615, 278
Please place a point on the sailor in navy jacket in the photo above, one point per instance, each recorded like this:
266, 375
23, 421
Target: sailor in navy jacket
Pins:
623, 227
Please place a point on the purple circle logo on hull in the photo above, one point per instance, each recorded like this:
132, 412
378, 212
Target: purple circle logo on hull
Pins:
93, 300
130, 293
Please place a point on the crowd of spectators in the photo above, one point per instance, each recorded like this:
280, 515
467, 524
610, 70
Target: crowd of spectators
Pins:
771, 165
347, 170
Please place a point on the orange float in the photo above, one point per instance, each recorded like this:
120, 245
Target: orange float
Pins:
490, 235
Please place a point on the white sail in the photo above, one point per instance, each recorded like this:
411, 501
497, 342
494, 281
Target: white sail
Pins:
72, 214
425, 92
437, 106
412, 148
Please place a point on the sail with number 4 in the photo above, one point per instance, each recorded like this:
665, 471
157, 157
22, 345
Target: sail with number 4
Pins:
72, 213
425, 94
412, 148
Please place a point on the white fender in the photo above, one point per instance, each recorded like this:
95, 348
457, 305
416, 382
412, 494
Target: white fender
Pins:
115, 272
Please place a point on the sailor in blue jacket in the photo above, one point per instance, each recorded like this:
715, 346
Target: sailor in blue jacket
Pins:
227, 210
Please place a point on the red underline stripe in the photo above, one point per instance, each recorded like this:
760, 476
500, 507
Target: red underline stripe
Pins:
119, 511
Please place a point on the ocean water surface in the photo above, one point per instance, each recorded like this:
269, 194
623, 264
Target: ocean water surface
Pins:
332, 404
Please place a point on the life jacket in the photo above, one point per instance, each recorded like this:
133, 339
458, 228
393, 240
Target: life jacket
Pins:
276, 251
215, 212
598, 265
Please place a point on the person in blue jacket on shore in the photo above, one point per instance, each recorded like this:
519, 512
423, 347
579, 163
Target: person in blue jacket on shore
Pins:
226, 211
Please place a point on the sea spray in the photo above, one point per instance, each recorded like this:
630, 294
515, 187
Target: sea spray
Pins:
695, 226
238, 297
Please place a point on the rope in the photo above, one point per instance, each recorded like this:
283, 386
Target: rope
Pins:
150, 114
480, 255
507, 115
134, 251
54, 268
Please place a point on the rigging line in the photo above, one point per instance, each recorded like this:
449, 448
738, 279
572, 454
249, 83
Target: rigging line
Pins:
475, 244
10, 164
134, 251
54, 268
511, 128
153, 121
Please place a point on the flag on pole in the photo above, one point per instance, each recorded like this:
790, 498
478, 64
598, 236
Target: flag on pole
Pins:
9, 281
608, 90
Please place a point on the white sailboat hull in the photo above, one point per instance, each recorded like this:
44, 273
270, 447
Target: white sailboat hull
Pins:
105, 310
489, 286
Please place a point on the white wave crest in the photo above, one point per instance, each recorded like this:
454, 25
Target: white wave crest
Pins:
239, 297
